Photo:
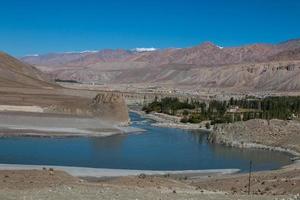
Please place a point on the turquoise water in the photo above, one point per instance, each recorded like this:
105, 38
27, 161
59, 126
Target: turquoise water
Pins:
155, 149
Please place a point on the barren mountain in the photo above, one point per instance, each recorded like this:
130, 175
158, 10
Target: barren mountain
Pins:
208, 54
74, 59
257, 67
14, 73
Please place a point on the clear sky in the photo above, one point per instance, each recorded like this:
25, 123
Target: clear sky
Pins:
41, 26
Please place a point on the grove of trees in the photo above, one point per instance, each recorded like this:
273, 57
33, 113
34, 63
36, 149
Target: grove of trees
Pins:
284, 107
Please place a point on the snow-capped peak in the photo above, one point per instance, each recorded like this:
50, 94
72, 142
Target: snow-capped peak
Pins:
143, 49
32, 55
85, 51
89, 51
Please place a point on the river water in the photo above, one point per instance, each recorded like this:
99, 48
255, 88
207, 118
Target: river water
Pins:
155, 149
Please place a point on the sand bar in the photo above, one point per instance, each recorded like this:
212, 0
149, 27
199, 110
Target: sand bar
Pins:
102, 172
42, 124
37, 109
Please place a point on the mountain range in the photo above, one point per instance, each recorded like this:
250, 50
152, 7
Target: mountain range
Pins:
250, 67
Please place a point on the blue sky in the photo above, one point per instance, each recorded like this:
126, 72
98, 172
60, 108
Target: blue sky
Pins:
35, 26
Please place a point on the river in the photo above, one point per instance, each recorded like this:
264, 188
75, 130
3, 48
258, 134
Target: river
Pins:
154, 149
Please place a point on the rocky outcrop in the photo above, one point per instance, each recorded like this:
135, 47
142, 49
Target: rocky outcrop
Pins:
273, 134
105, 106
112, 106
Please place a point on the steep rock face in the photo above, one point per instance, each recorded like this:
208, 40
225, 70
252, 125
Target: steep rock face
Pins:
112, 106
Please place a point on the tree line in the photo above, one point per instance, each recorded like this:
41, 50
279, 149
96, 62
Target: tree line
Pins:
284, 107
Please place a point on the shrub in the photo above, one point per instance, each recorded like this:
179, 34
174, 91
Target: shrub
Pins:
184, 120
207, 125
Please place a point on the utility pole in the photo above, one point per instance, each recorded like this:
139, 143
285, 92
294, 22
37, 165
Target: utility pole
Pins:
249, 184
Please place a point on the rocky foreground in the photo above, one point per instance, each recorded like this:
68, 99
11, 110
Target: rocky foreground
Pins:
55, 185
278, 182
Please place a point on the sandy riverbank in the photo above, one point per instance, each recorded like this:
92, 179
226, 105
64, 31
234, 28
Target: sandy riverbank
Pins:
102, 172
15, 108
55, 125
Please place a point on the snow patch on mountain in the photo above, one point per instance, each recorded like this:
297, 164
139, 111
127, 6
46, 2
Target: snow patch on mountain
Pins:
85, 51
32, 55
143, 49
